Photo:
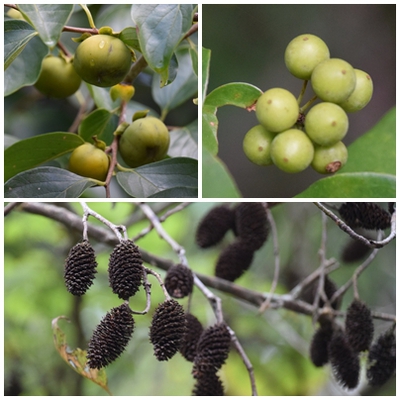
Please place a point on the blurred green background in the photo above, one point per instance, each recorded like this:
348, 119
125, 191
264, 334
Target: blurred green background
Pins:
247, 44
277, 342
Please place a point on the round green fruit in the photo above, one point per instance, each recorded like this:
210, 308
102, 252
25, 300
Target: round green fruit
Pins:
292, 151
145, 140
102, 60
362, 93
329, 159
326, 124
257, 145
57, 78
90, 161
333, 80
304, 53
277, 110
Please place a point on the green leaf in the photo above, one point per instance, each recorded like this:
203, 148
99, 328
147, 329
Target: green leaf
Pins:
101, 123
194, 55
356, 184
47, 19
129, 36
184, 141
217, 181
206, 54
179, 192
47, 182
241, 95
160, 29
375, 151
25, 68
181, 89
29, 153
152, 178
17, 35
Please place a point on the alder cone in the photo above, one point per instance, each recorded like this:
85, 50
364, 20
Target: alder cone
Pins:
365, 215
208, 385
110, 337
194, 330
80, 268
359, 326
382, 359
251, 224
308, 294
319, 345
354, 251
344, 361
233, 261
179, 281
167, 329
212, 349
214, 225
125, 269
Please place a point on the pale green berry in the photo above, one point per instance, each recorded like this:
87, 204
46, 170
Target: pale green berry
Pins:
304, 53
292, 151
277, 110
362, 93
329, 159
333, 80
326, 124
257, 145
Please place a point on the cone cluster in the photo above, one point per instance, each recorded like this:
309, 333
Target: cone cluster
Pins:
110, 337
194, 329
125, 269
167, 329
80, 268
365, 215
179, 281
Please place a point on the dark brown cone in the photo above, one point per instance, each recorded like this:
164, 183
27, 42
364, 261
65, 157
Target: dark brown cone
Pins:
208, 385
194, 330
212, 350
319, 345
354, 251
382, 359
233, 261
80, 268
125, 269
309, 292
365, 215
359, 326
110, 337
344, 361
179, 281
251, 224
214, 225
167, 329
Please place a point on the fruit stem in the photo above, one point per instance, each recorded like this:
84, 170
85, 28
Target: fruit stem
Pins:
89, 15
303, 90
308, 104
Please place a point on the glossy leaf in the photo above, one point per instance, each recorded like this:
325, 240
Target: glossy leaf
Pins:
160, 29
152, 178
31, 152
48, 19
217, 181
179, 192
47, 182
184, 141
76, 358
101, 123
353, 185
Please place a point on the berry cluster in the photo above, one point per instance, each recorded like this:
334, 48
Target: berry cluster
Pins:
293, 140
342, 347
248, 221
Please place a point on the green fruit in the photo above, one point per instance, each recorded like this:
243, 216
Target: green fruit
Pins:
57, 78
326, 124
90, 161
102, 60
257, 145
304, 53
333, 80
292, 151
329, 159
362, 93
277, 110
145, 140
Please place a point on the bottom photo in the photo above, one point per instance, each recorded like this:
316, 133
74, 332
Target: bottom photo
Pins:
199, 299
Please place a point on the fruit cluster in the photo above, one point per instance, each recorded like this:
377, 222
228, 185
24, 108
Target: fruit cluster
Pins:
293, 140
248, 221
